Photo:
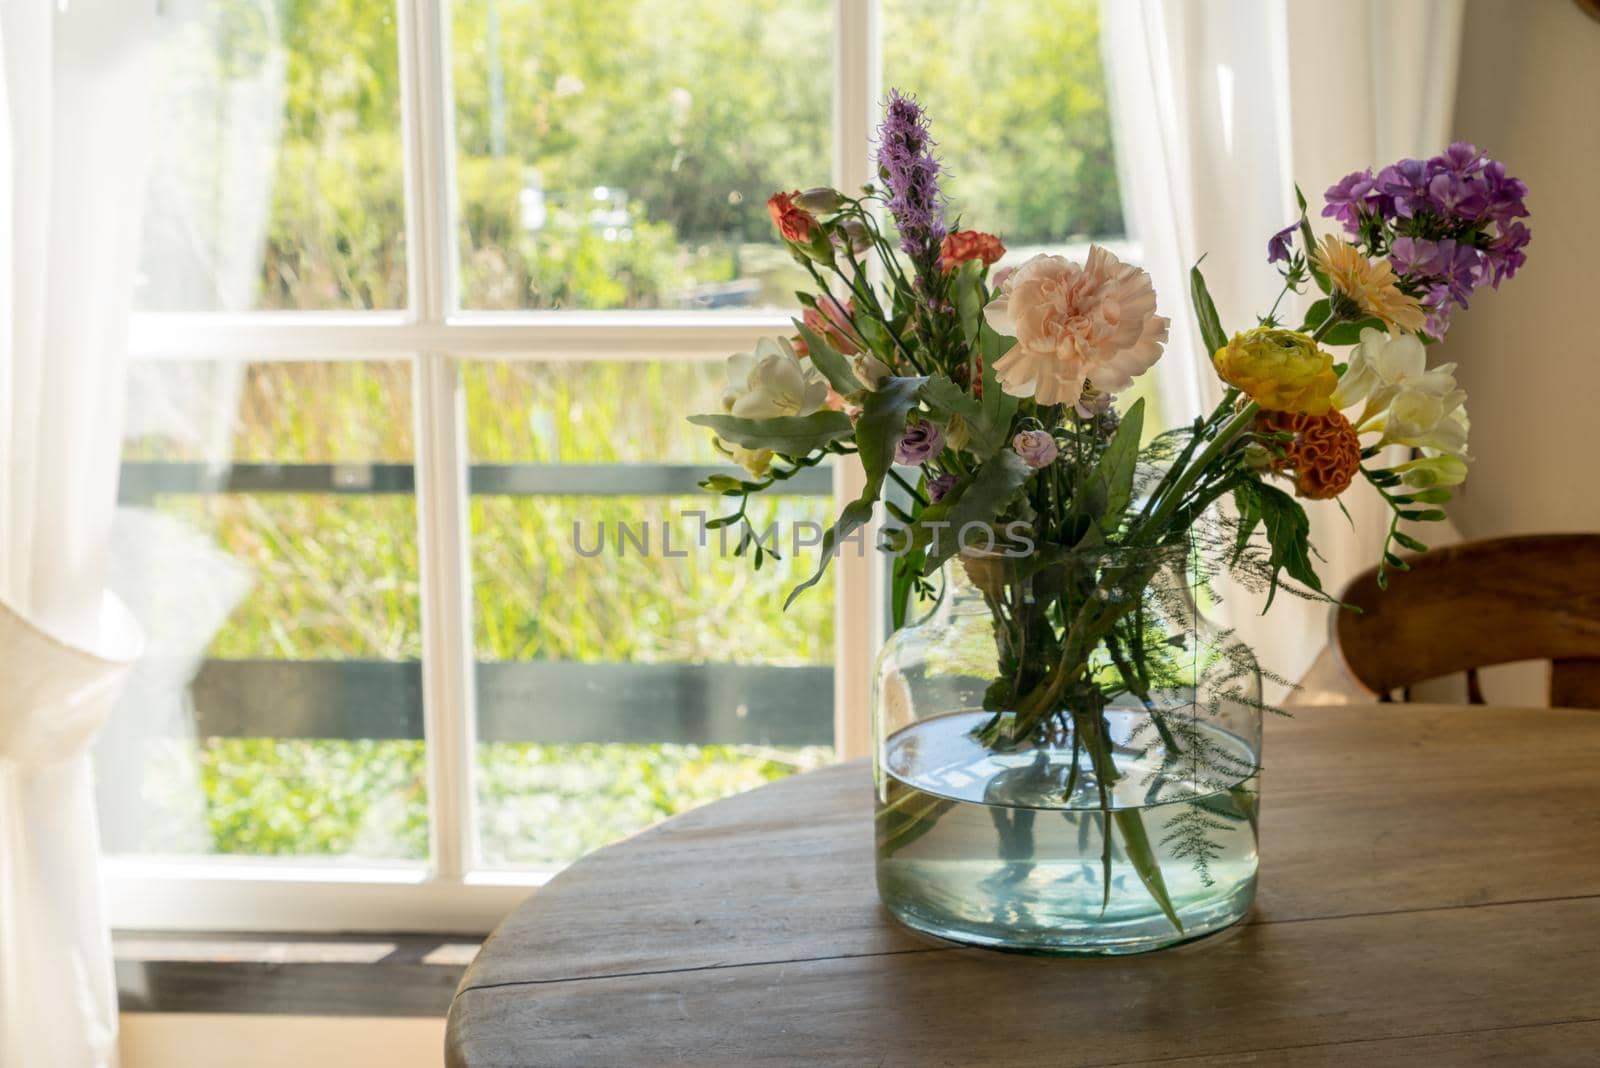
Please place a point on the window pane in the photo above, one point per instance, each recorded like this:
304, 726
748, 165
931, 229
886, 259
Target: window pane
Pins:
276, 171
619, 154
266, 540
1018, 98
615, 690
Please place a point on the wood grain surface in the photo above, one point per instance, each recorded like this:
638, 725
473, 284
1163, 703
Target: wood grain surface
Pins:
1430, 894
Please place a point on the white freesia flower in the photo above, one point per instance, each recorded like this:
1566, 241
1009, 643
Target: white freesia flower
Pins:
1406, 402
771, 381
1383, 365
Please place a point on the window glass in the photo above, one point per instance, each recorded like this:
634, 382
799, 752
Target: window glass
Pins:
276, 176
1017, 93
627, 674
619, 153
266, 540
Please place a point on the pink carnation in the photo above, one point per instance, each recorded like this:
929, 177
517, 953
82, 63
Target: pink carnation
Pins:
1093, 322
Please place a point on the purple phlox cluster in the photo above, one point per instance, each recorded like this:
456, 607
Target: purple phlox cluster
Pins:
939, 486
919, 444
905, 156
1451, 224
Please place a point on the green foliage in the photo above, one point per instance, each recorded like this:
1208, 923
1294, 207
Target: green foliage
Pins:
540, 804
1288, 532
788, 435
1212, 335
1019, 91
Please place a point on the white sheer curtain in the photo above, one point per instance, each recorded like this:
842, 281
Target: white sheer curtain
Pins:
72, 138
1219, 107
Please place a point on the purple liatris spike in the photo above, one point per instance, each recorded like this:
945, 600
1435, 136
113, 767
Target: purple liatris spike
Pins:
909, 169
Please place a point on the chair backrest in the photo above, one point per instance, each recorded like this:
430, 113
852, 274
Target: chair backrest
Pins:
1476, 604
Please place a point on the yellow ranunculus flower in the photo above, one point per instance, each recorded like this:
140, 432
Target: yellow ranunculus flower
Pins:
1281, 370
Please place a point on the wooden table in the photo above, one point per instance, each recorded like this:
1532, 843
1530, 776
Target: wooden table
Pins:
1430, 894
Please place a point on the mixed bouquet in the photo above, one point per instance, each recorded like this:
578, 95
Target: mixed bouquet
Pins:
983, 404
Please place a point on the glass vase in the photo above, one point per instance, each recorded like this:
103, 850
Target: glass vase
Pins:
1067, 758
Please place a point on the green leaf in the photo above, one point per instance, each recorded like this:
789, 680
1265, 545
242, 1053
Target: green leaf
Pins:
832, 363
1288, 534
1205, 311
1316, 315
878, 430
1409, 542
944, 398
1350, 333
1318, 275
791, 435
880, 426
999, 407
1112, 476
856, 515
1249, 519
1136, 843
977, 501
969, 298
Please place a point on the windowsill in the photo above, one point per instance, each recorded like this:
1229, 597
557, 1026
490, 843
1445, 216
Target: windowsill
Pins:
407, 975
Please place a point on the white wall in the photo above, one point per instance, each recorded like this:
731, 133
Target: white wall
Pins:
206, 1040
1530, 354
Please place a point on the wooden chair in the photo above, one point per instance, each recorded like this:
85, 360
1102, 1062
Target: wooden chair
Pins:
1476, 604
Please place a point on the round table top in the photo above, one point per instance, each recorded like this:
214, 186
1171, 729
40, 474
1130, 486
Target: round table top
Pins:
1429, 893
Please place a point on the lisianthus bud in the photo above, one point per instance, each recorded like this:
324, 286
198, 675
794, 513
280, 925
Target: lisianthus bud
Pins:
870, 371
956, 433
822, 200
939, 486
1036, 447
853, 233
1257, 457
919, 444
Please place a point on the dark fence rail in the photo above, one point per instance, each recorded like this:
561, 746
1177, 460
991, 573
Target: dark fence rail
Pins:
518, 701
144, 481
522, 701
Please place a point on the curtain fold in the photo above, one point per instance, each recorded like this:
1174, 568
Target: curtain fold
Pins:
1218, 108
73, 121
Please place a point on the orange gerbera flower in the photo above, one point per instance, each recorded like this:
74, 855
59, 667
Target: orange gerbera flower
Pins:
1324, 454
1370, 283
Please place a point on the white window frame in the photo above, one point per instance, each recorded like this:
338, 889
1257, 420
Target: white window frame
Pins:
452, 892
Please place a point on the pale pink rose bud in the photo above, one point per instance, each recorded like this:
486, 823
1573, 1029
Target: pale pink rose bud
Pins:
1036, 447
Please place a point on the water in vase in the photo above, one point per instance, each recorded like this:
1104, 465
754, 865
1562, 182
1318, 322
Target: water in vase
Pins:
1007, 849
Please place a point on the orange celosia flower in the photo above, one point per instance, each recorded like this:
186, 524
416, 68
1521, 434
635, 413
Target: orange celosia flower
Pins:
1324, 454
